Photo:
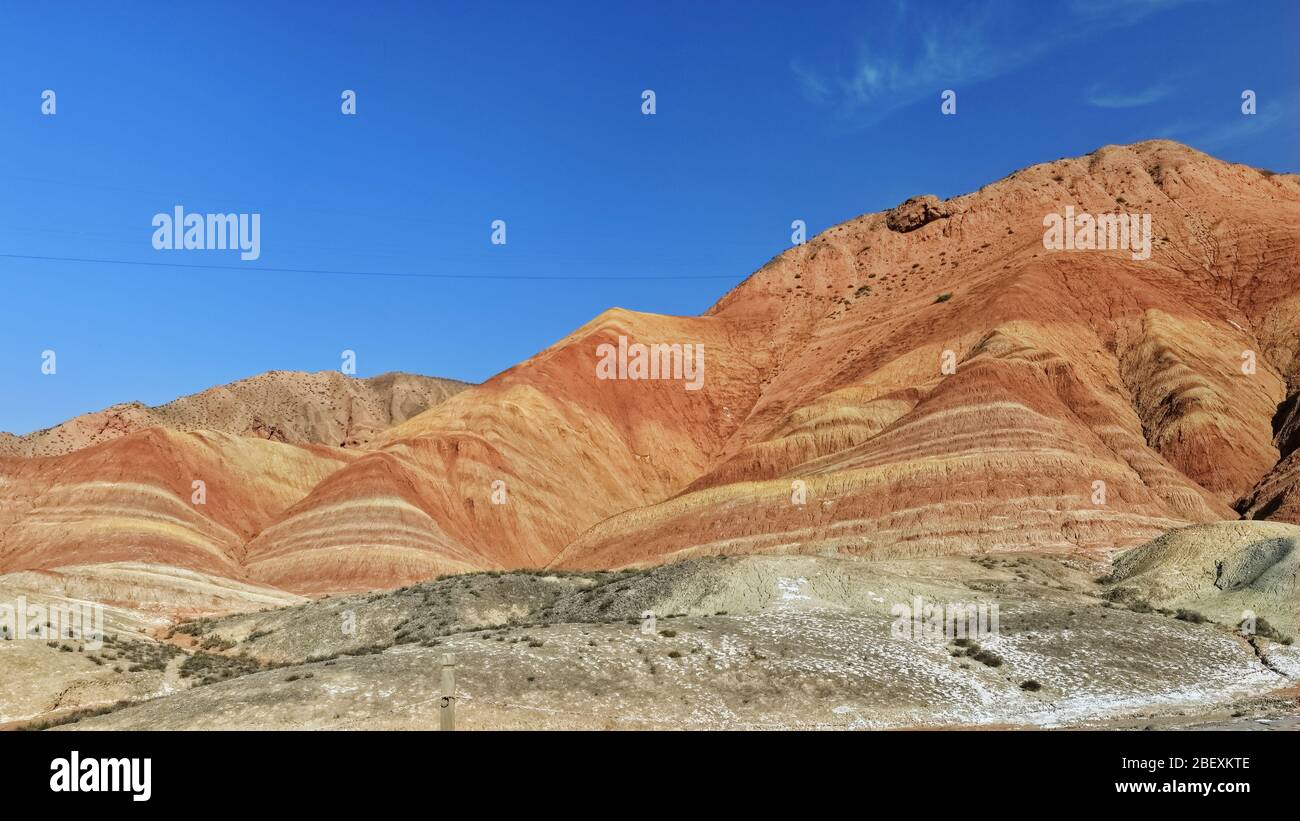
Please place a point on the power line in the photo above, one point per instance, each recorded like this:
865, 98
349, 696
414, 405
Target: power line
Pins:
397, 274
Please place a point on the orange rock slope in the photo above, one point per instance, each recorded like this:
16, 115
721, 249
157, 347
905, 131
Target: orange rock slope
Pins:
187, 484
135, 499
923, 381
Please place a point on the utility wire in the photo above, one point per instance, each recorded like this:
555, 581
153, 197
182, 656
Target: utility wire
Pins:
402, 275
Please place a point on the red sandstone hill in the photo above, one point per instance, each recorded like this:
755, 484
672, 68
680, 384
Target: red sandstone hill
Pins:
1077, 374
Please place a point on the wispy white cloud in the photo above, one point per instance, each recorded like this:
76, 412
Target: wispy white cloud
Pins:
909, 56
1118, 13
1234, 128
813, 87
1130, 98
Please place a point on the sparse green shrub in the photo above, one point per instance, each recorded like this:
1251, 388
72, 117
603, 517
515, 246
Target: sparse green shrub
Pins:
75, 716
208, 668
216, 643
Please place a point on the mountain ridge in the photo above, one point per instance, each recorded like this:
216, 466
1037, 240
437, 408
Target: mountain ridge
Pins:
285, 406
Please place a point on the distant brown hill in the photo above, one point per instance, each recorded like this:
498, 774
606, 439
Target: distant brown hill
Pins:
929, 380
324, 408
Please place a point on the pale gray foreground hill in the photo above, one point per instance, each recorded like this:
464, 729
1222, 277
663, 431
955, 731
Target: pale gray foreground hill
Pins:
744, 642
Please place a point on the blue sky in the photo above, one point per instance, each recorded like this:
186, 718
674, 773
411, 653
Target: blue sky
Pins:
529, 113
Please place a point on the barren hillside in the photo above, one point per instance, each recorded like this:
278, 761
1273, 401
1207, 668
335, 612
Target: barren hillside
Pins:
325, 408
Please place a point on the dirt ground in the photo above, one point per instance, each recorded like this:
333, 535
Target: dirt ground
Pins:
764, 642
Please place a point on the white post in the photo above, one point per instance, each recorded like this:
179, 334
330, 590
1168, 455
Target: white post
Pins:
447, 711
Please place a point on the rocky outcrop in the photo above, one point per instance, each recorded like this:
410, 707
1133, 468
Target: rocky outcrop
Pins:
915, 212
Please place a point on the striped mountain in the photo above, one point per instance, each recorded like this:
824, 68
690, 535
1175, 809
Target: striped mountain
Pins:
1094, 402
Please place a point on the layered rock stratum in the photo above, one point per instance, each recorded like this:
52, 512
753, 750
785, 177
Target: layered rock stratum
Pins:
925, 381
187, 484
